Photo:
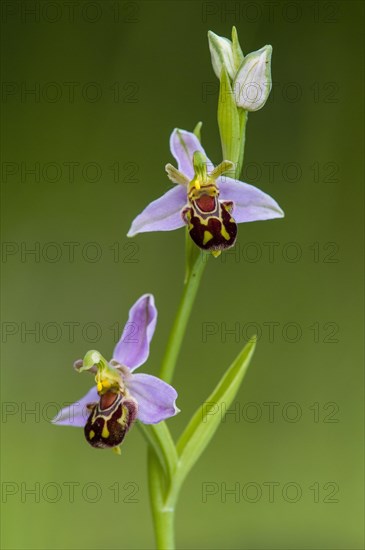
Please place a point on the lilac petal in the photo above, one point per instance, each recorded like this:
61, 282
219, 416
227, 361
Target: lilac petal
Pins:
133, 348
250, 204
163, 214
77, 414
156, 399
183, 144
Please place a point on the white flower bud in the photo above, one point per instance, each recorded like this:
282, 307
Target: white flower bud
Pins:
222, 53
252, 84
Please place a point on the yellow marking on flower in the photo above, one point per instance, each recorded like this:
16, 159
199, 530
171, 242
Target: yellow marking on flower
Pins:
216, 253
117, 450
91, 434
197, 185
225, 233
207, 237
105, 433
105, 380
122, 419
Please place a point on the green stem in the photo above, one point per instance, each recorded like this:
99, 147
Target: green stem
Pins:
242, 115
161, 479
183, 313
163, 465
163, 518
159, 437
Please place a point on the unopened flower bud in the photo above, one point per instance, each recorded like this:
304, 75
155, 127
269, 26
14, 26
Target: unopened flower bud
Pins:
252, 84
221, 50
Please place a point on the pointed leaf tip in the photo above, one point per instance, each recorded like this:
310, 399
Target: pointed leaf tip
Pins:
207, 418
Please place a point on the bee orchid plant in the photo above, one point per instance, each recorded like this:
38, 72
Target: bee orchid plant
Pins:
209, 201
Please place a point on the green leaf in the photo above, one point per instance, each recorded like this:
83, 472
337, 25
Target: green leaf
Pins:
228, 120
206, 421
159, 438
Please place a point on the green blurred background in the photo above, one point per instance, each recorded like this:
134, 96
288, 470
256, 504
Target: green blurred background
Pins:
111, 81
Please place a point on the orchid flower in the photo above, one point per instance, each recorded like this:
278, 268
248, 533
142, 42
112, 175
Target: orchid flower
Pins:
108, 410
209, 203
